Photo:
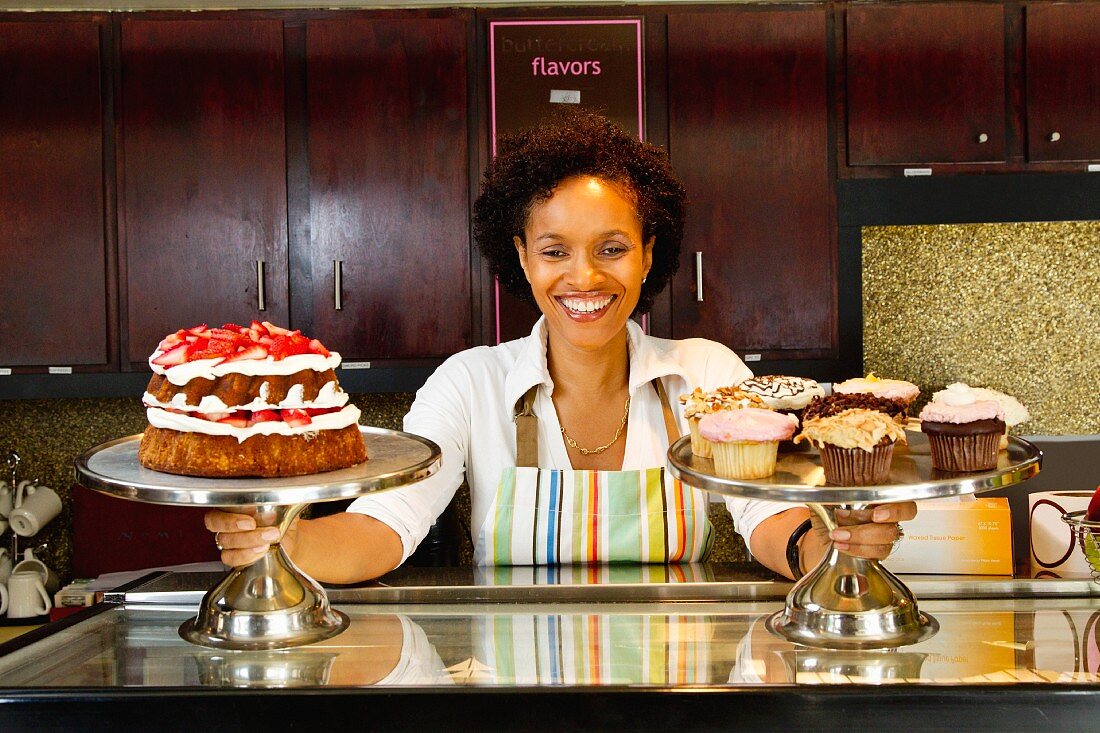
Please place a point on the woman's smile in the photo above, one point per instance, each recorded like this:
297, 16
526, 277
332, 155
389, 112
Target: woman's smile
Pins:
585, 307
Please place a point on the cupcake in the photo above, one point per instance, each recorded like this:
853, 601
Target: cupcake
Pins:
963, 431
856, 445
788, 395
783, 394
891, 389
1015, 413
700, 403
838, 403
745, 442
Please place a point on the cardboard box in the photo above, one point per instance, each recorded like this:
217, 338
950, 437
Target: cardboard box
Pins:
967, 536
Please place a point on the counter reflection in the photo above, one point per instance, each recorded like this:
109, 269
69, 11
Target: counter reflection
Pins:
662, 644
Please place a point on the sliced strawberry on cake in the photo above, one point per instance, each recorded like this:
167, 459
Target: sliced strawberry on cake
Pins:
260, 400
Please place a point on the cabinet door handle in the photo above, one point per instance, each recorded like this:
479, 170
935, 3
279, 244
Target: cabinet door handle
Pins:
261, 301
337, 284
699, 277
983, 138
1054, 137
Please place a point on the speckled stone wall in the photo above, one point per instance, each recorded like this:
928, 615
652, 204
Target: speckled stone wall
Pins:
1014, 307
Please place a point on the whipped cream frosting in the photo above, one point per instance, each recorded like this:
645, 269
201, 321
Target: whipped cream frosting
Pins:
891, 389
1014, 412
181, 374
750, 424
159, 418
781, 392
330, 395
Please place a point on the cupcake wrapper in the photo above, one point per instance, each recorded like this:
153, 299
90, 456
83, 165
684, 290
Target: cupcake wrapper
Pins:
700, 446
964, 452
745, 460
855, 466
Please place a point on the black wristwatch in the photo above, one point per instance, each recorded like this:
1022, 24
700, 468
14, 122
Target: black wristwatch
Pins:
792, 549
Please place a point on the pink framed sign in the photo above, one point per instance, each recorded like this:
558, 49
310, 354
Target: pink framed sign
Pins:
537, 66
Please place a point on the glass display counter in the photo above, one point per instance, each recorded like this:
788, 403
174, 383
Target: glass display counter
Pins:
630, 646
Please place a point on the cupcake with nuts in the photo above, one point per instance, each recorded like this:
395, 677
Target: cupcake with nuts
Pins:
963, 431
890, 389
1014, 411
856, 445
745, 442
701, 403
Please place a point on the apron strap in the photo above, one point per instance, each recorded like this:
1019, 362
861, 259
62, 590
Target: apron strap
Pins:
527, 425
527, 431
671, 426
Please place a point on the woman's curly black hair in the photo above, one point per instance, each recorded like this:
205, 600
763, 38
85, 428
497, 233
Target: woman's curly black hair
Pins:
530, 164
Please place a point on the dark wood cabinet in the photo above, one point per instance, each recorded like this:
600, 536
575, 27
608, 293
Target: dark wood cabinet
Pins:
53, 256
389, 185
748, 135
925, 83
202, 176
1063, 81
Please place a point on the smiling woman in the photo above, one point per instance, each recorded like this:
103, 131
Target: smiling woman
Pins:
562, 435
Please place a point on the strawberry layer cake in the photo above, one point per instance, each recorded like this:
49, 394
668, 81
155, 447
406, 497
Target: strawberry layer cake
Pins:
247, 401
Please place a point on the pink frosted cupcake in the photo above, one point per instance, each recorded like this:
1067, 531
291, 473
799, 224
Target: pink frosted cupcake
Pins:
890, 389
963, 431
745, 442
699, 403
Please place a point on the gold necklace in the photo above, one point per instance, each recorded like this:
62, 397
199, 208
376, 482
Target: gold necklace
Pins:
588, 451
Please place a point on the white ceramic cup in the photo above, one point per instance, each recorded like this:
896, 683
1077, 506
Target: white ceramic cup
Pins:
3, 598
5, 565
27, 596
31, 564
39, 505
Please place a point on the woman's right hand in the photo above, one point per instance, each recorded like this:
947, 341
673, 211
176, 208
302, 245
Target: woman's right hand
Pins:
240, 541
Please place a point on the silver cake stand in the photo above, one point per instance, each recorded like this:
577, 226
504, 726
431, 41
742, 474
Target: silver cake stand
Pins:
849, 602
270, 604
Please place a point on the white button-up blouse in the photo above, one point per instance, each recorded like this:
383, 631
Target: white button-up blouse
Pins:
467, 404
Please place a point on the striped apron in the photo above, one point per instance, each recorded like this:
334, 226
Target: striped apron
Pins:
595, 649
555, 516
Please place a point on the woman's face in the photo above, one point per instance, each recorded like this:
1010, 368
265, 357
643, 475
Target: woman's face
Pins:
585, 259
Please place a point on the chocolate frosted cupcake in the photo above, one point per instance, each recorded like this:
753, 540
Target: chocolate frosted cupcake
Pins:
856, 445
963, 431
838, 403
1015, 412
891, 389
698, 404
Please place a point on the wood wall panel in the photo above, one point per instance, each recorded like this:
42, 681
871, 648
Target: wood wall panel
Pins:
389, 190
52, 250
748, 135
203, 174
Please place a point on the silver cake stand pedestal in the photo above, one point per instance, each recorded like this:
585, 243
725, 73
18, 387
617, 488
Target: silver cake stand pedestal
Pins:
270, 604
849, 602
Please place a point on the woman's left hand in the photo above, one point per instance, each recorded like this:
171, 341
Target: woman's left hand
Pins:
870, 533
